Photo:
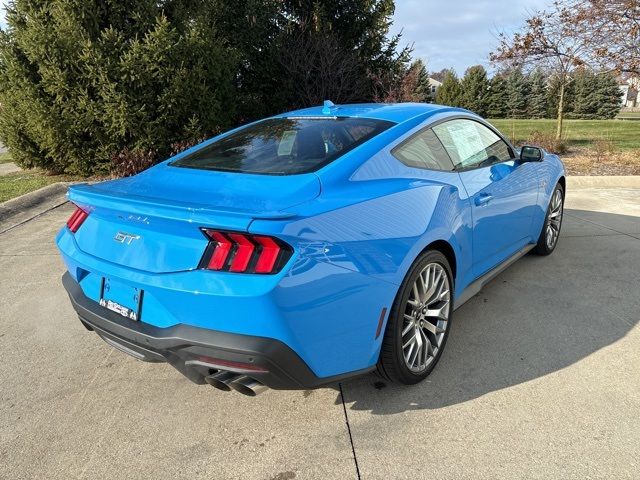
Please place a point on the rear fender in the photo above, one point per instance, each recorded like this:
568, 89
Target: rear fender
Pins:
381, 236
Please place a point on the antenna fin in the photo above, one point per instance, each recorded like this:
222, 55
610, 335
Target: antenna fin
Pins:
327, 106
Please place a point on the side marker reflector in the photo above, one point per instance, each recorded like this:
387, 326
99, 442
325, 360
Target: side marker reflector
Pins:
383, 314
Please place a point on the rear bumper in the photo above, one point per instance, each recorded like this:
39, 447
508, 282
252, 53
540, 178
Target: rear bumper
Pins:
193, 351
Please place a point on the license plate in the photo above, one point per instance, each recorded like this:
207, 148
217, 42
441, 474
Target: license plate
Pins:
121, 298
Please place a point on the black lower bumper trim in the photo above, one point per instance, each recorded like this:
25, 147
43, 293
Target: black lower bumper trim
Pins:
274, 363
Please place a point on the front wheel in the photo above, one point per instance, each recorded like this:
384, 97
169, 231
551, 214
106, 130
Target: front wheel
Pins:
419, 321
552, 223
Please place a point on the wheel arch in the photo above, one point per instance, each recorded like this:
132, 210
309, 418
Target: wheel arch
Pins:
447, 250
563, 181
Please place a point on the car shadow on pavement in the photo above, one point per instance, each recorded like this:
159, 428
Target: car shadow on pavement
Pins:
541, 315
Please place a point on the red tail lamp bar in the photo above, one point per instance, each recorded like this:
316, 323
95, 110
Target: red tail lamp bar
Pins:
244, 252
76, 219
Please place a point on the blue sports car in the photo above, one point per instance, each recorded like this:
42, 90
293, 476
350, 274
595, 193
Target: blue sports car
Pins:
310, 246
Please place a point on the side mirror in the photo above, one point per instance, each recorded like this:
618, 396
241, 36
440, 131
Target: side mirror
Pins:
531, 154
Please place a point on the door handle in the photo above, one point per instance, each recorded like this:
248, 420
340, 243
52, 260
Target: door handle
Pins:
483, 199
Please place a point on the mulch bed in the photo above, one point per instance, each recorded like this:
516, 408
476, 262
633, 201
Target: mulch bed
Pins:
582, 161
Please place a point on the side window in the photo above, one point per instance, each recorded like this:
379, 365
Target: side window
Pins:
423, 150
470, 144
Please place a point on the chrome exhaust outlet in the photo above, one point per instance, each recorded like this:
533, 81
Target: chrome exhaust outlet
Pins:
222, 379
248, 386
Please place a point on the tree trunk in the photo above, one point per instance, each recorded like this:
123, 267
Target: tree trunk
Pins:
560, 112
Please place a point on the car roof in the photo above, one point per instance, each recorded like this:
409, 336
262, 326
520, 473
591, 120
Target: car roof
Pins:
393, 112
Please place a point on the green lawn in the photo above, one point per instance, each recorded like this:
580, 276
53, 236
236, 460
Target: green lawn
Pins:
629, 115
15, 184
624, 134
6, 157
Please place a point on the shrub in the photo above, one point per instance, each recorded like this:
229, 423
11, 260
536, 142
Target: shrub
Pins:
130, 162
85, 87
603, 147
549, 142
127, 162
183, 145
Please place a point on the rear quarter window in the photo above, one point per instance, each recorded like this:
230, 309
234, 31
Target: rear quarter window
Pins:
423, 150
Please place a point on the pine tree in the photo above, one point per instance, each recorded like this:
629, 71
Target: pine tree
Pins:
475, 89
608, 96
282, 43
498, 97
584, 95
81, 81
517, 91
537, 107
423, 88
449, 92
553, 95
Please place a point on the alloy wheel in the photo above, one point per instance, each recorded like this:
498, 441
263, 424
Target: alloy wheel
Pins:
554, 219
426, 317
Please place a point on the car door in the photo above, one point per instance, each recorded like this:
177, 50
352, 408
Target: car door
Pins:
502, 191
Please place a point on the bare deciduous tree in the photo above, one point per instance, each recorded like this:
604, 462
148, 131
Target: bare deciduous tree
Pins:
318, 67
404, 86
547, 40
611, 31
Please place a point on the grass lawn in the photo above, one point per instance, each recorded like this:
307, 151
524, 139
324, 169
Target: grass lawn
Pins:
629, 115
6, 157
623, 134
15, 184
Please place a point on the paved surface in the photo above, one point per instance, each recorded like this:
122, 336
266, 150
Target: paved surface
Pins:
540, 379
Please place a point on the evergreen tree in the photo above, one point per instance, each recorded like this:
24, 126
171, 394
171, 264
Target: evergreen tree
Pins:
289, 47
609, 95
449, 92
585, 87
475, 90
585, 93
498, 97
81, 81
553, 95
593, 95
517, 91
537, 107
423, 88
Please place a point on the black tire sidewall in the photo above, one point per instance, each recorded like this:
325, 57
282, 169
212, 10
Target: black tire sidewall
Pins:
541, 247
397, 320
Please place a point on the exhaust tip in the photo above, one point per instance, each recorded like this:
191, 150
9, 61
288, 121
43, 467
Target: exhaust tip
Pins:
221, 380
248, 386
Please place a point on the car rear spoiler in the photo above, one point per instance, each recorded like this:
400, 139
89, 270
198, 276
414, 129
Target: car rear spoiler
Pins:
87, 195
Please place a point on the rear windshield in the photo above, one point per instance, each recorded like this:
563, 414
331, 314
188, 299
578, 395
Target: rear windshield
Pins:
285, 146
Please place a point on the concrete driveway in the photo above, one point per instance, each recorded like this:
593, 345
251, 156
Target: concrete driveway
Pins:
540, 379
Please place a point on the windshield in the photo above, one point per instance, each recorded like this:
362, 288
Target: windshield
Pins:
285, 146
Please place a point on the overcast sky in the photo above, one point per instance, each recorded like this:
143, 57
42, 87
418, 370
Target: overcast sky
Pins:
451, 33
458, 33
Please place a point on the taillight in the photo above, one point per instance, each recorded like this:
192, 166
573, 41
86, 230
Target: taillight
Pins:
76, 219
244, 253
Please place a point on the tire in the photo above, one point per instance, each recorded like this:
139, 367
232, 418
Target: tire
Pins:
413, 317
548, 239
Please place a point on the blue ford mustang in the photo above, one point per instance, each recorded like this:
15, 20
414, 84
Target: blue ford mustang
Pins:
308, 247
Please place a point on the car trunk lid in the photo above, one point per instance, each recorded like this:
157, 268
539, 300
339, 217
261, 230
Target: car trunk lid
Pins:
152, 221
